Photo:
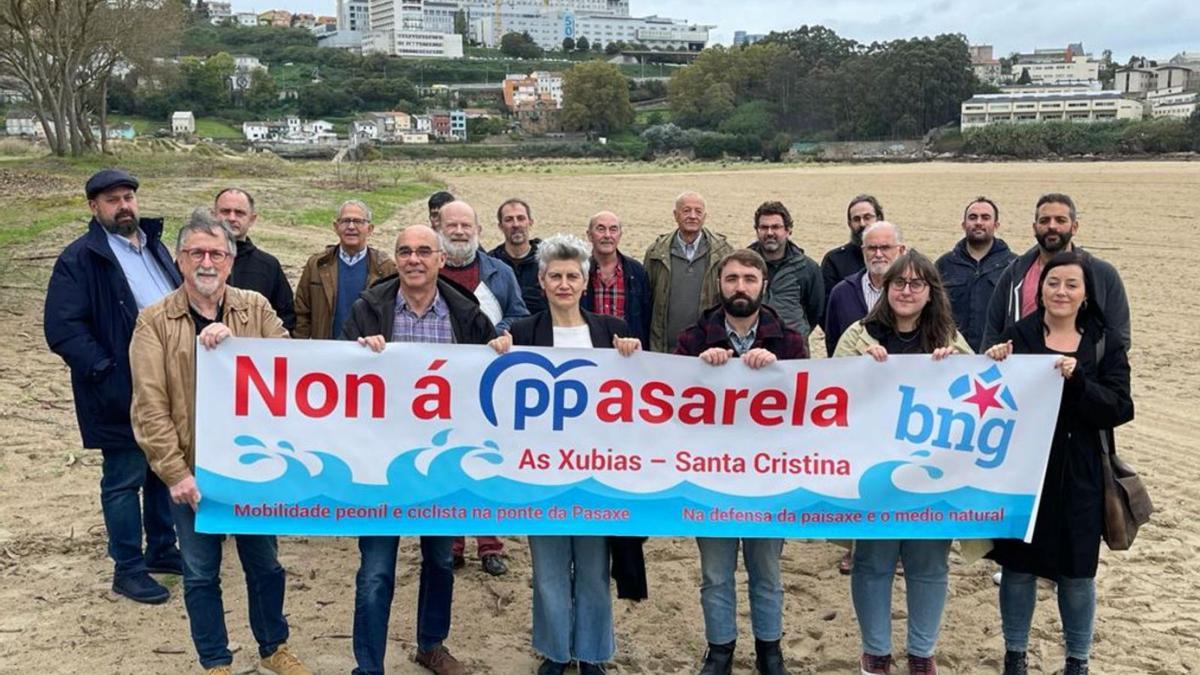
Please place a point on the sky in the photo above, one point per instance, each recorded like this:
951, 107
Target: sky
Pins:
1150, 28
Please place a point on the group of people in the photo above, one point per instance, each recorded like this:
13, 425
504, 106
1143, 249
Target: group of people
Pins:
126, 316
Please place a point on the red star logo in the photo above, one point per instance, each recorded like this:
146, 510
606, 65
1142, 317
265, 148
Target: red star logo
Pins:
984, 397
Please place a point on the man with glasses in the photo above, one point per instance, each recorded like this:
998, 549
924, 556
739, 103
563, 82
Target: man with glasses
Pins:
417, 306
254, 269
332, 280
207, 310
795, 287
847, 259
100, 283
617, 284
855, 295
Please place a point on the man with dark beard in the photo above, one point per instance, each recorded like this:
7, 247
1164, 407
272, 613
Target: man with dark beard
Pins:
841, 262
1015, 297
99, 285
741, 326
970, 269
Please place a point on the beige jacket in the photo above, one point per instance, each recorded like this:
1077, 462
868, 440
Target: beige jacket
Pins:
163, 360
316, 294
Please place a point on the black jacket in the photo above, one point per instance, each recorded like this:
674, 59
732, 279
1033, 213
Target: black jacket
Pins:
969, 285
846, 305
1004, 309
1070, 517
637, 297
795, 288
526, 270
89, 317
628, 561
374, 313
840, 263
256, 270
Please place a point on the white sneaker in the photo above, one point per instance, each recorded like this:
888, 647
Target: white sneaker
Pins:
996, 577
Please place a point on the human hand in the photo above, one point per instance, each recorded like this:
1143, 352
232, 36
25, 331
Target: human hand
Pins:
375, 343
716, 356
212, 334
757, 358
625, 345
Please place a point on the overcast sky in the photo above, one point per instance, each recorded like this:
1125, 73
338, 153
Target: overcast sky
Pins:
1152, 28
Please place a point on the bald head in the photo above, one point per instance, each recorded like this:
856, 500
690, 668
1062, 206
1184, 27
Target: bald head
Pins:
604, 232
417, 235
419, 256
690, 213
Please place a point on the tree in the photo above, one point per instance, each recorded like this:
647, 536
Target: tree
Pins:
596, 98
1025, 78
568, 44
520, 46
460, 22
263, 94
582, 44
613, 48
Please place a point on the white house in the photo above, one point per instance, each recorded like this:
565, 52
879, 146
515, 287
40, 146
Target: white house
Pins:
364, 129
1097, 106
422, 124
255, 131
21, 124
183, 123
246, 19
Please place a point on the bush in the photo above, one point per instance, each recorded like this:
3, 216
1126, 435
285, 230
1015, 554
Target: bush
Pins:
1072, 138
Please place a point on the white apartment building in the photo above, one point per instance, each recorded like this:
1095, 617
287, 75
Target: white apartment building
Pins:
246, 19
398, 29
1062, 87
219, 12
1172, 102
353, 15
549, 27
1078, 68
183, 123
1101, 106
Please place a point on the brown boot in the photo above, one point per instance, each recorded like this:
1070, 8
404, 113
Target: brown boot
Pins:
441, 662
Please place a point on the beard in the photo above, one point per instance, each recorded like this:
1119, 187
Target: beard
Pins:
771, 245
461, 252
740, 305
123, 223
206, 282
1061, 242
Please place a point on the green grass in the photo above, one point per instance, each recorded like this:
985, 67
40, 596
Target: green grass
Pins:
211, 128
384, 201
206, 127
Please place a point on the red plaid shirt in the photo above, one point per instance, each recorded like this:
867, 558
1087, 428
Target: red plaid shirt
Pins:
609, 297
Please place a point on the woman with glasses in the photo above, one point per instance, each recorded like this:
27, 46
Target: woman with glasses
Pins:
572, 608
1070, 518
913, 317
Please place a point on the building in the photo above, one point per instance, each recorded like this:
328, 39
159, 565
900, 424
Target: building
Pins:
984, 64
291, 130
1131, 80
1172, 102
280, 18
440, 121
538, 117
741, 38
256, 131
117, 132
304, 20
414, 137
1077, 68
1099, 106
548, 28
246, 19
219, 12
537, 86
458, 125
354, 15
422, 124
398, 29
22, 123
183, 123
1061, 87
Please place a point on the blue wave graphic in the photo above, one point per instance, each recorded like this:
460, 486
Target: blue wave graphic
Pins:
433, 476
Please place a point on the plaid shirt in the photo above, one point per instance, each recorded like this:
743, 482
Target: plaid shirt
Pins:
432, 326
609, 298
770, 334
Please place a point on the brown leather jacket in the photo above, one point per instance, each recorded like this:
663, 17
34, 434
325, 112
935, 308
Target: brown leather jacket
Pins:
163, 360
316, 293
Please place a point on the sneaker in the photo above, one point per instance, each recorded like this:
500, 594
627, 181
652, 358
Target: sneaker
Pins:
586, 668
718, 660
493, 564
282, 662
551, 667
921, 665
1015, 663
170, 562
1075, 666
141, 588
846, 563
997, 577
870, 664
441, 662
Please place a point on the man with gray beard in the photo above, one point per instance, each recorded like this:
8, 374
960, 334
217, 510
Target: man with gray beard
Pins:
100, 283
491, 282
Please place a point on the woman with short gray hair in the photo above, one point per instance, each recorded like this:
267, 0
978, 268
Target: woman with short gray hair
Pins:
572, 607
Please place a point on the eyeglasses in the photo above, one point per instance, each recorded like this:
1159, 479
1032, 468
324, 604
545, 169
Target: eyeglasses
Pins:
357, 222
197, 255
770, 228
879, 249
914, 285
423, 252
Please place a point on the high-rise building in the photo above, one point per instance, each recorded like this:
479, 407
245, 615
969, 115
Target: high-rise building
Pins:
398, 29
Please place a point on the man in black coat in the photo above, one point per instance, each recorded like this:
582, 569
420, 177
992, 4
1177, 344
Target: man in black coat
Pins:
254, 269
841, 262
970, 269
99, 285
431, 311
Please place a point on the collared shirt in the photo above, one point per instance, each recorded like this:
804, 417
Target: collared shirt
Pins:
689, 250
351, 260
431, 326
202, 321
870, 293
741, 344
147, 279
609, 296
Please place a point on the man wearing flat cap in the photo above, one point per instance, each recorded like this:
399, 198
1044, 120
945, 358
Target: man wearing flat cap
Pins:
99, 284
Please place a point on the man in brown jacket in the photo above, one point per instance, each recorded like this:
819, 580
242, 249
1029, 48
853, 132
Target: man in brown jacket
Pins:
163, 357
332, 279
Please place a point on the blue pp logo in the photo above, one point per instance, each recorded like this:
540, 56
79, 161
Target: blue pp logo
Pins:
533, 397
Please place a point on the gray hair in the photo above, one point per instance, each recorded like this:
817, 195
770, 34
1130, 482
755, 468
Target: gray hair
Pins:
880, 224
564, 247
204, 220
691, 193
360, 204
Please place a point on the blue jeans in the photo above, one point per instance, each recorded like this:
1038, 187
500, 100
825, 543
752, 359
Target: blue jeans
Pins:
375, 585
1076, 606
123, 473
925, 577
718, 593
572, 607
202, 589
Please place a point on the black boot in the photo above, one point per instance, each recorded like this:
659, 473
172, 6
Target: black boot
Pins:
768, 658
718, 660
1075, 667
1015, 663
551, 667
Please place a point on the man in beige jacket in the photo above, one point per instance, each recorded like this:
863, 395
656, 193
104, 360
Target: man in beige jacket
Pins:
163, 357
